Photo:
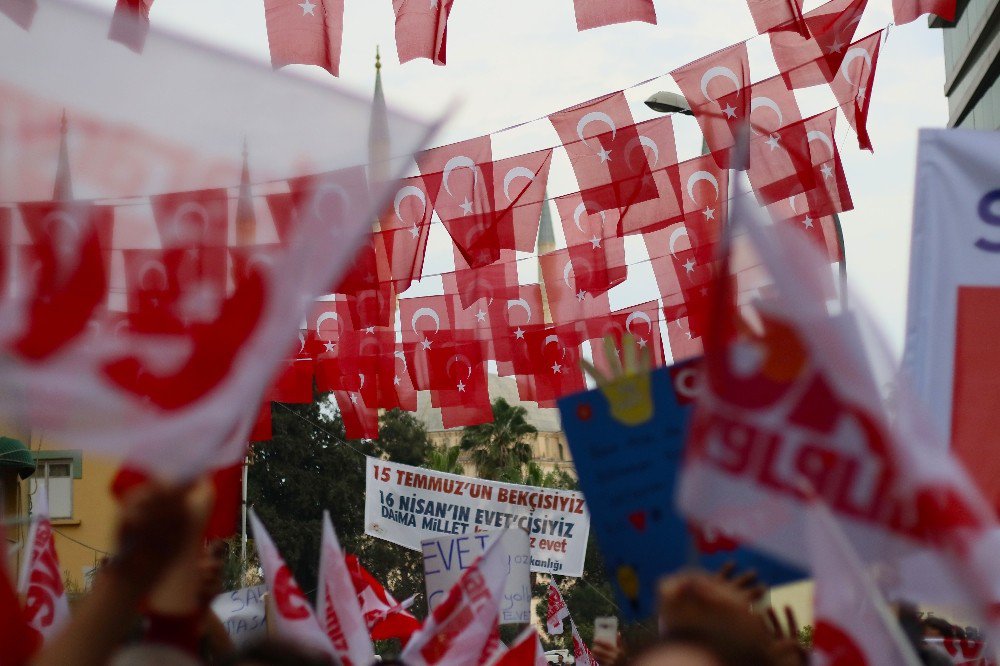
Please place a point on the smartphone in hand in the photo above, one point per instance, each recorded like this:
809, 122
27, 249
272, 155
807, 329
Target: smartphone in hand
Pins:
606, 630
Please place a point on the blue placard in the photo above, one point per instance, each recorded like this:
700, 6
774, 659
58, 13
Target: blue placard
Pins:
628, 475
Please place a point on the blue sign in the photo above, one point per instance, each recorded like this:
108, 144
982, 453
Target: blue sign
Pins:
628, 474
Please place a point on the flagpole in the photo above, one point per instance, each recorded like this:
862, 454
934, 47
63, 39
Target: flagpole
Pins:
243, 528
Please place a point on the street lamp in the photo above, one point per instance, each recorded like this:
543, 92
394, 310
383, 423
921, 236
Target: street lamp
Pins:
669, 102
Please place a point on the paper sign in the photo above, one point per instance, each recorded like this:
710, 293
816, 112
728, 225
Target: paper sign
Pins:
406, 505
242, 613
447, 558
629, 473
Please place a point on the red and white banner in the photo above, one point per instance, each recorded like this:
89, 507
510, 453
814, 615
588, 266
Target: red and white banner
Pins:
526, 650
46, 605
954, 301
581, 653
337, 606
557, 611
293, 618
386, 618
464, 623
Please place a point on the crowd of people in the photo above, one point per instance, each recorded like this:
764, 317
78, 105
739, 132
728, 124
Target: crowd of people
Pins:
150, 604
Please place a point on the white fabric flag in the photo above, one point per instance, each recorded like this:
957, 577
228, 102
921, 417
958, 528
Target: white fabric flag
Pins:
557, 610
462, 625
853, 625
525, 650
792, 407
293, 618
337, 605
581, 653
45, 602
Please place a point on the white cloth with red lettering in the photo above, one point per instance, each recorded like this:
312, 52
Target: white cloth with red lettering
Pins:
557, 610
46, 605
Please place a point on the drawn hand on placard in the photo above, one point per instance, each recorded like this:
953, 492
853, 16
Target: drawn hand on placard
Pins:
627, 388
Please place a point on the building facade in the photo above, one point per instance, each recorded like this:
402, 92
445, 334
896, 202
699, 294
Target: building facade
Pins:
972, 64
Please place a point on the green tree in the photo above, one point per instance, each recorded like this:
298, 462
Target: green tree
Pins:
499, 447
444, 459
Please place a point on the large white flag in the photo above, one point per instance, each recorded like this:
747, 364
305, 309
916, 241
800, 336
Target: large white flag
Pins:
793, 407
458, 630
853, 625
954, 298
337, 604
45, 600
293, 618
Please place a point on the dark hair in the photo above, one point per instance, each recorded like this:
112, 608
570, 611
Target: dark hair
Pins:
942, 626
715, 642
273, 652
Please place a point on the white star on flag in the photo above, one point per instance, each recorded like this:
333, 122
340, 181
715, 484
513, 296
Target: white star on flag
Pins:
595, 241
689, 265
519, 333
556, 369
729, 111
466, 207
460, 386
370, 330
330, 346
772, 141
480, 316
414, 231
808, 222
308, 7
605, 155
426, 344
354, 398
581, 295
827, 171
642, 343
396, 380
709, 213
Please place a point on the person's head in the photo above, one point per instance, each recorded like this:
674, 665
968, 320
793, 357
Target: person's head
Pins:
936, 627
672, 653
272, 652
712, 647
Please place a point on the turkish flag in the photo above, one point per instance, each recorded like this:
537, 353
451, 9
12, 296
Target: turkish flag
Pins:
567, 287
21, 12
594, 248
519, 186
337, 606
554, 354
130, 23
395, 388
907, 11
46, 605
199, 223
770, 14
422, 29
525, 650
852, 86
814, 58
772, 106
293, 619
831, 194
305, 33
683, 343
386, 618
597, 13
600, 138
642, 321
781, 164
404, 229
494, 282
66, 266
705, 198
716, 88
656, 143
821, 229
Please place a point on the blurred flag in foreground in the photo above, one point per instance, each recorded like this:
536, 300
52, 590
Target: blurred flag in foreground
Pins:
126, 305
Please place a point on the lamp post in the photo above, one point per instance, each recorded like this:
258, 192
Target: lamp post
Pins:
665, 101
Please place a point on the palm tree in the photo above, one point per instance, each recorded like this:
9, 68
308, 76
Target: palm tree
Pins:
499, 448
444, 459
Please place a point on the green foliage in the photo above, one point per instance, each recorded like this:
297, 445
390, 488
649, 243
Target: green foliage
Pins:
499, 447
806, 637
444, 459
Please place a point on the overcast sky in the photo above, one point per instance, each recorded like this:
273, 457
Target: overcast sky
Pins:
518, 60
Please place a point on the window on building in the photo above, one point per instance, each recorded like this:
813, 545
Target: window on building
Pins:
55, 478
561, 456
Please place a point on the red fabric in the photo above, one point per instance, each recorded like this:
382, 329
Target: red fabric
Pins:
781, 164
18, 639
554, 354
770, 14
600, 136
595, 251
67, 294
130, 23
853, 84
813, 59
262, 425
907, 11
567, 288
656, 143
519, 193
642, 321
705, 196
597, 13
831, 194
422, 29
21, 12
386, 617
405, 226
305, 33
716, 89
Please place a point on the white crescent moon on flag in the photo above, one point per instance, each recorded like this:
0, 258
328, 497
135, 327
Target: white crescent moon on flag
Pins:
302, 341
791, 202
845, 64
456, 358
686, 382
767, 102
639, 142
566, 272
675, 235
362, 378
699, 176
638, 314
520, 302
323, 318
409, 191
460, 162
402, 357
426, 312
578, 213
816, 135
549, 339
516, 172
337, 190
154, 266
715, 72
595, 117
182, 218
